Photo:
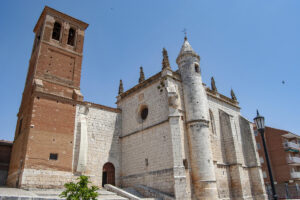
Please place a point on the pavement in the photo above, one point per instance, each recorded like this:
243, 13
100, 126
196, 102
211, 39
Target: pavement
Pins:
49, 194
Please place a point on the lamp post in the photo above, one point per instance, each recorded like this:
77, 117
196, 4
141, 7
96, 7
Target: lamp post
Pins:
260, 125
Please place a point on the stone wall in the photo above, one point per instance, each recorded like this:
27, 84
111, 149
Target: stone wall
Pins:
237, 168
154, 97
147, 160
146, 144
42, 178
103, 144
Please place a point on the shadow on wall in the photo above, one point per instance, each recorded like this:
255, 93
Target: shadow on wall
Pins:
5, 154
114, 155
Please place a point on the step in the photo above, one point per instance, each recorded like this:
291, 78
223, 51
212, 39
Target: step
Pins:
47, 194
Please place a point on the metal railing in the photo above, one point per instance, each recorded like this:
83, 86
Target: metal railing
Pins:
284, 191
295, 174
291, 145
293, 160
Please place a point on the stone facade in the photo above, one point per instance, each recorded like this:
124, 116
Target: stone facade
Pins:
170, 132
103, 143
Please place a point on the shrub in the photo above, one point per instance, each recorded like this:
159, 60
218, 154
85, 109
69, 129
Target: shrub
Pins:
80, 190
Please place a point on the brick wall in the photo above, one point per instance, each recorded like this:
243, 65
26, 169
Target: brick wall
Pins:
48, 123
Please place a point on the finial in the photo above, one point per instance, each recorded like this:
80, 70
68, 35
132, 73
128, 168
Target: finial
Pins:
165, 61
184, 31
121, 89
257, 113
142, 76
233, 97
213, 85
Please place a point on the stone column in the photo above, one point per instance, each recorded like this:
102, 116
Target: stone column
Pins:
179, 175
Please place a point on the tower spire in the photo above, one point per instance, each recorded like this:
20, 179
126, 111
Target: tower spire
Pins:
121, 89
186, 50
233, 97
213, 85
165, 61
142, 76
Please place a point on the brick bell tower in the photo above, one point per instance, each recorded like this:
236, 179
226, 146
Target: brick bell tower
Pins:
46, 118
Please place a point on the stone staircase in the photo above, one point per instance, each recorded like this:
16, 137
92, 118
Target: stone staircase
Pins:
53, 194
129, 193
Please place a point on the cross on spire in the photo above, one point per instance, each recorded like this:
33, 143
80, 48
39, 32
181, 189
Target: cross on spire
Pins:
184, 31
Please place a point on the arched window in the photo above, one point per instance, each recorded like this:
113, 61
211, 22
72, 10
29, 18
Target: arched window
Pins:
71, 37
197, 68
56, 31
212, 122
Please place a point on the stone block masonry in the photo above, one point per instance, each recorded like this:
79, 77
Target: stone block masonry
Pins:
170, 132
103, 142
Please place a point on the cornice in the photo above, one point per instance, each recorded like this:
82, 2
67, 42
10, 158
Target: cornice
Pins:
140, 85
59, 14
74, 102
222, 98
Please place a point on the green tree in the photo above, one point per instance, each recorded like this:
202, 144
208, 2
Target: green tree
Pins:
80, 190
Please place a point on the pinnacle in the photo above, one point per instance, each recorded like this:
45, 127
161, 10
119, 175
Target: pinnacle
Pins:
142, 76
121, 89
165, 61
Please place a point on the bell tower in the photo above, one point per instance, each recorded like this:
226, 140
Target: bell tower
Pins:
46, 118
57, 52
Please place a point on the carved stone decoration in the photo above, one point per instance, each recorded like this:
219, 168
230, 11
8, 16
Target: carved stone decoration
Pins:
142, 76
38, 85
172, 97
213, 85
77, 95
233, 97
121, 89
165, 61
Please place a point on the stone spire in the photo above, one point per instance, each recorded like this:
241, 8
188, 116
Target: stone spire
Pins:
186, 49
213, 85
233, 97
121, 89
165, 61
142, 76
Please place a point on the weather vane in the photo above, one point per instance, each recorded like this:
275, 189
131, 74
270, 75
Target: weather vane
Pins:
184, 31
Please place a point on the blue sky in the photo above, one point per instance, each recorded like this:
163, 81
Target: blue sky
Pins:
250, 46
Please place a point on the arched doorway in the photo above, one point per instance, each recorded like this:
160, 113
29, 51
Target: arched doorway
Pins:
108, 174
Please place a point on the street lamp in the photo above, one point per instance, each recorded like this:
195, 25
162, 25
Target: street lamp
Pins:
260, 125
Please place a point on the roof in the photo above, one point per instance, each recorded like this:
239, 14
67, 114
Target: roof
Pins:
284, 133
6, 143
157, 76
57, 13
186, 49
291, 135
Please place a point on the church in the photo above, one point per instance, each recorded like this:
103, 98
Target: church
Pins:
170, 133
